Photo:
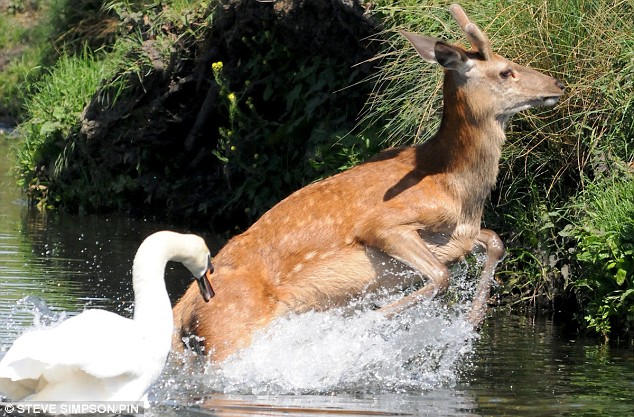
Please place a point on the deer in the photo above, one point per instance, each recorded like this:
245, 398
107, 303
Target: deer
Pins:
421, 205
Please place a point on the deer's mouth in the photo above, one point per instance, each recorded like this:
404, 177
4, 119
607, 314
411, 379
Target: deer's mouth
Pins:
549, 101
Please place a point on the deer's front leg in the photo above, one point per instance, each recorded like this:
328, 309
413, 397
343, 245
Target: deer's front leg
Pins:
403, 243
494, 253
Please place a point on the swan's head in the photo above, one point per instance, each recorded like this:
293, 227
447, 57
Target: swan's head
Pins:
164, 246
197, 259
203, 280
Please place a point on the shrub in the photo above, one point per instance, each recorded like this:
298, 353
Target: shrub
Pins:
605, 250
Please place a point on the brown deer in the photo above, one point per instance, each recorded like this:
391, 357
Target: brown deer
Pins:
421, 205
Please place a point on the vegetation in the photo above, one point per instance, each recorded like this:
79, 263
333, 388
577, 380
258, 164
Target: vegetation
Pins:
33, 34
217, 79
17, 58
212, 111
605, 251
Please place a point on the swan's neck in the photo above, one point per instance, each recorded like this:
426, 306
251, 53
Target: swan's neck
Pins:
152, 306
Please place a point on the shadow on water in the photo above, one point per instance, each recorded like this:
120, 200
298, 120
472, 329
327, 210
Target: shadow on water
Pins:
342, 362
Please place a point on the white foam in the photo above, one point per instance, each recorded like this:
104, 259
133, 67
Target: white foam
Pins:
326, 352
353, 349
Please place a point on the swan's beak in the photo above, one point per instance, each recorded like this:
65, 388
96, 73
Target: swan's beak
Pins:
204, 285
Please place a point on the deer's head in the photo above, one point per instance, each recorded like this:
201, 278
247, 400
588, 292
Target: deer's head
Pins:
491, 85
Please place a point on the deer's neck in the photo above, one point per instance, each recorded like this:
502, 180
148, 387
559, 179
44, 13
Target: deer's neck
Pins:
471, 137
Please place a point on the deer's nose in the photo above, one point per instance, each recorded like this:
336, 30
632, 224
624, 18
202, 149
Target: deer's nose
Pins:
561, 85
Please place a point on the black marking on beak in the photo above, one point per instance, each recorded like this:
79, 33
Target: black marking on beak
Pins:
203, 282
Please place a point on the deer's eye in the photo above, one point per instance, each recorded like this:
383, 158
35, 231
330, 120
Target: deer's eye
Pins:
506, 73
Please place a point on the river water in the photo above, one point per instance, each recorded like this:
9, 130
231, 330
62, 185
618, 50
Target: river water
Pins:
345, 362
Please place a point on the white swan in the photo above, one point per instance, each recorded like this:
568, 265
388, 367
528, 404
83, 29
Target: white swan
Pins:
101, 356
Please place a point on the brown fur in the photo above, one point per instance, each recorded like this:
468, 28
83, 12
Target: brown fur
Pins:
421, 205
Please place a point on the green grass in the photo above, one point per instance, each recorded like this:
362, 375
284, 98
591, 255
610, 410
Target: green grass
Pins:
34, 34
92, 66
566, 39
18, 59
54, 106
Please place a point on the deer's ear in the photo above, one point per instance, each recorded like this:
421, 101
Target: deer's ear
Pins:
452, 57
424, 45
438, 52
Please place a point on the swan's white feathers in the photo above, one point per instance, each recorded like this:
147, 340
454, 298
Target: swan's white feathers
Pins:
96, 342
98, 355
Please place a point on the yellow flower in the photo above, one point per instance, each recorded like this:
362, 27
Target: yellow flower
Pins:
232, 98
216, 66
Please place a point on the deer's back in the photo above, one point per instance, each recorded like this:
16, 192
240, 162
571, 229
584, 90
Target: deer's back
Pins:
334, 214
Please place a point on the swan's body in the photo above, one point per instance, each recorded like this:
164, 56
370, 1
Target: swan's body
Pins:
101, 356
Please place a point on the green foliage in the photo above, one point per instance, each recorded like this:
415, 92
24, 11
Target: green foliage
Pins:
74, 25
11, 32
280, 117
54, 107
287, 123
552, 155
17, 57
34, 34
14, 79
55, 163
605, 250
538, 264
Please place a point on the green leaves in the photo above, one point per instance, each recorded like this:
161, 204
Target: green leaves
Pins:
605, 251
283, 119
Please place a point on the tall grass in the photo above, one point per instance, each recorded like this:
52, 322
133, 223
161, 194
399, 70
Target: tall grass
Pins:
587, 44
54, 106
551, 154
34, 34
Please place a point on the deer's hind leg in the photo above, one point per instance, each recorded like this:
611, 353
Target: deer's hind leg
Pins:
494, 248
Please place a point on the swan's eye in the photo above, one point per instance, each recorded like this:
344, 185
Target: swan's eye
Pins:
506, 73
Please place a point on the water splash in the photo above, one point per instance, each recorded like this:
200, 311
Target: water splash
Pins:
345, 350
43, 315
30, 312
331, 352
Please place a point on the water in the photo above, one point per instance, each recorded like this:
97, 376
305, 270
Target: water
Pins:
349, 361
